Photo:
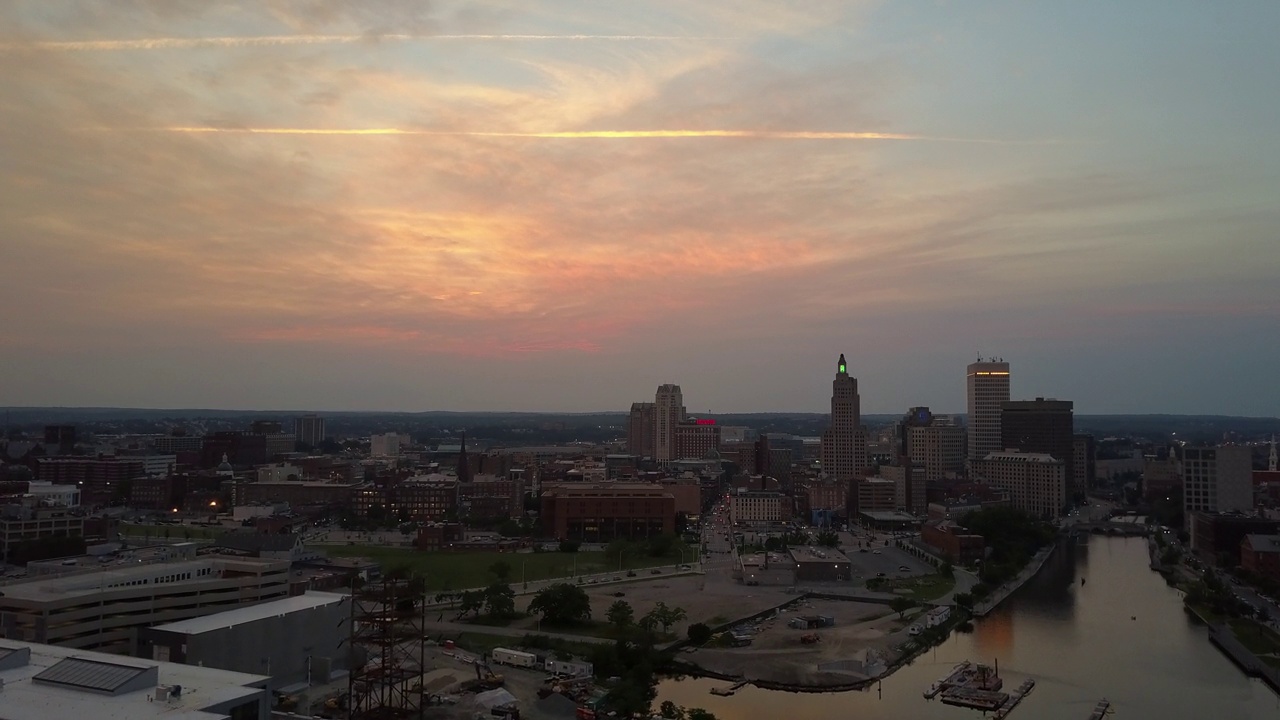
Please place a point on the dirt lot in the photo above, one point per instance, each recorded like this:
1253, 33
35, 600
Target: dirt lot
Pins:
777, 655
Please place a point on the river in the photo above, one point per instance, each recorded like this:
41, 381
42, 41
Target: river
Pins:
1122, 636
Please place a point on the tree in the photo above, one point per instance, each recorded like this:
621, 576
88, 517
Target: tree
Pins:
500, 601
773, 544
662, 545
901, 605
665, 616
699, 714
562, 604
621, 614
569, 546
699, 634
829, 538
946, 570
501, 570
471, 602
963, 600
670, 711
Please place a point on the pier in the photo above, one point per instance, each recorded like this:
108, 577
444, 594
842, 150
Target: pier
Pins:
948, 681
1100, 710
1015, 697
726, 692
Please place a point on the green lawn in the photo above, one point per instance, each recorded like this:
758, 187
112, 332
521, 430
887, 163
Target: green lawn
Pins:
461, 570
1258, 639
920, 589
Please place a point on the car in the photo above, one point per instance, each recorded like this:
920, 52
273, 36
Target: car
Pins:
875, 552
904, 568
880, 574
655, 572
619, 594
617, 577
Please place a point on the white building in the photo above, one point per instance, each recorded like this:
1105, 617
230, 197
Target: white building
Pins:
42, 682
987, 389
279, 472
1217, 479
757, 507
46, 493
387, 445
1036, 483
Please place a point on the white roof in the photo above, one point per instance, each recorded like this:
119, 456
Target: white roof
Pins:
252, 613
202, 687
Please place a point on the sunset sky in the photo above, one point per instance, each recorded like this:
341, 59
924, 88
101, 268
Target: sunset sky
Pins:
538, 205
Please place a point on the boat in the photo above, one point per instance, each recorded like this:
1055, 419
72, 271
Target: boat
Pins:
956, 673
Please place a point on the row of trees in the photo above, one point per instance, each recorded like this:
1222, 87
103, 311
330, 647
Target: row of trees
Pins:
623, 617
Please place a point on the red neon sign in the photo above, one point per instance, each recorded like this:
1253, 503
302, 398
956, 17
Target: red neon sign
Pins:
706, 421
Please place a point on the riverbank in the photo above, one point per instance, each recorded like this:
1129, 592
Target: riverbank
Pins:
1002, 593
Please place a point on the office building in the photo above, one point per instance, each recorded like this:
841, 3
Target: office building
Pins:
43, 682
23, 529
987, 388
1041, 426
668, 412
697, 439
1084, 464
909, 491
100, 478
758, 507
844, 444
491, 497
640, 427
309, 430
876, 494
59, 439
174, 444
1217, 479
1218, 537
387, 444
294, 640
592, 512
105, 610
1034, 482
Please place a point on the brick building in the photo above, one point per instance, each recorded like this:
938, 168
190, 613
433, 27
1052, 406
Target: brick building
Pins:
1260, 554
952, 541
100, 478
491, 496
601, 513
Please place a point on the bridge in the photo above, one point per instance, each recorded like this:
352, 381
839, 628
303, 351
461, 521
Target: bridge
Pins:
1127, 529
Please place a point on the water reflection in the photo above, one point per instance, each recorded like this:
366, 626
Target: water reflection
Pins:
1121, 635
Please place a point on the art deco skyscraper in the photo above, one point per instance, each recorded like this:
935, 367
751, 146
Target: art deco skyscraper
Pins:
668, 412
988, 389
844, 444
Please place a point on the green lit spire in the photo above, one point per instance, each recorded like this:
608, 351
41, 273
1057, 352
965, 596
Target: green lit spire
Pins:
842, 369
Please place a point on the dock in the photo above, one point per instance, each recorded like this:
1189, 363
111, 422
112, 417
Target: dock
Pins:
951, 679
726, 692
984, 700
1015, 697
1100, 710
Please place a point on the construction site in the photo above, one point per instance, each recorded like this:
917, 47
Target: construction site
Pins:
400, 672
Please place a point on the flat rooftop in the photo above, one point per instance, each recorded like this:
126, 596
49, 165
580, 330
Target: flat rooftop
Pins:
92, 583
888, 515
818, 555
79, 695
253, 613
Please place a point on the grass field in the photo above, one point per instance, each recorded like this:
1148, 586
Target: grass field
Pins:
462, 570
920, 589
1258, 639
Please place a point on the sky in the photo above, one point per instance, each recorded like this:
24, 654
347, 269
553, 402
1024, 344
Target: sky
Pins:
538, 205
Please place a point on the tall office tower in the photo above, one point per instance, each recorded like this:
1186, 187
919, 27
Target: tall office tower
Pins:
988, 387
1084, 462
844, 444
309, 429
1041, 426
668, 412
1217, 480
640, 429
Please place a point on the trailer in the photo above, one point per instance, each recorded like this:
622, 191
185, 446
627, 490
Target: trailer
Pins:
514, 658
569, 667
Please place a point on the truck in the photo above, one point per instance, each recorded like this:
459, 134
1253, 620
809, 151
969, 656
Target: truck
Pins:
514, 658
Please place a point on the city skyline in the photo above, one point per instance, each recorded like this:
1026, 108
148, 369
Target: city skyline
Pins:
559, 206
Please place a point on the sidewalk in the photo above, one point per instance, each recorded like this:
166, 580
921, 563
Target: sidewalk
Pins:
1004, 591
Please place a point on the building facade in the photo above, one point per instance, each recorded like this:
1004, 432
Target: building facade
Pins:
696, 440
1217, 479
844, 443
592, 512
987, 388
309, 429
1034, 482
758, 507
100, 478
668, 412
1041, 426
640, 427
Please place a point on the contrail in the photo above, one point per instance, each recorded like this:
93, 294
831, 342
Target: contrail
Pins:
272, 40
591, 134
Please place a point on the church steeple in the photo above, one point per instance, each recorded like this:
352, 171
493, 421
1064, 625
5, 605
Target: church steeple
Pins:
841, 368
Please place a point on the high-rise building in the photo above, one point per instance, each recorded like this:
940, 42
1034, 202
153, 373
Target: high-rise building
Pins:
932, 442
1035, 482
640, 426
668, 413
1084, 464
1041, 426
844, 444
987, 388
696, 440
1217, 479
309, 429
59, 439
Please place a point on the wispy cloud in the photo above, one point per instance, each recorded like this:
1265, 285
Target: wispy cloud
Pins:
281, 40
589, 134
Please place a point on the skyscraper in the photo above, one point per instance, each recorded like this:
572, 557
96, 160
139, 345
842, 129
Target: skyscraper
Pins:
668, 412
988, 388
309, 429
640, 429
1041, 426
844, 444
